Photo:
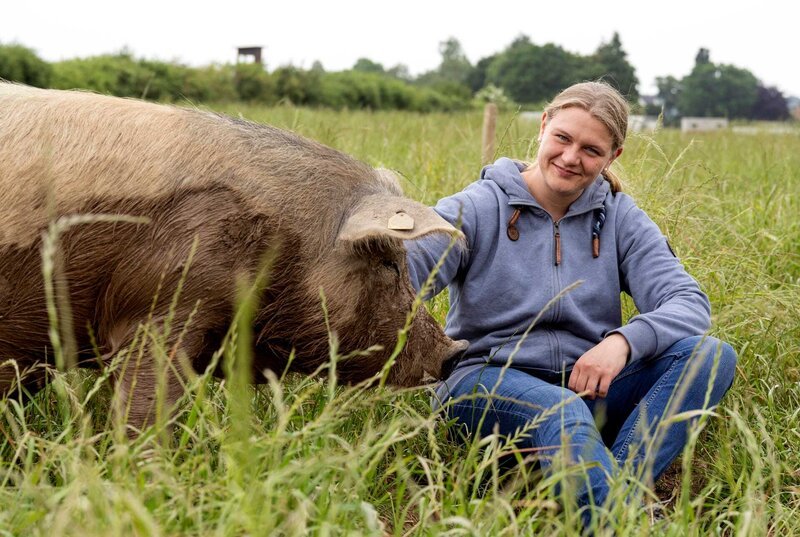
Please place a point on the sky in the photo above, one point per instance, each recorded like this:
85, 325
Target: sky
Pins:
660, 38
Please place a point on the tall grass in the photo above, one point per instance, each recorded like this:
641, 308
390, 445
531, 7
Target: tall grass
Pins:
300, 455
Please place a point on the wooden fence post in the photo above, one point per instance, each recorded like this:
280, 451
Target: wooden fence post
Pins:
489, 128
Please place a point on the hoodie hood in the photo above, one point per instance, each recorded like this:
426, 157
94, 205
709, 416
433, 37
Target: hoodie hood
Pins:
507, 174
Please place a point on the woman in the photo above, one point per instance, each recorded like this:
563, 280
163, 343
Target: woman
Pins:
536, 291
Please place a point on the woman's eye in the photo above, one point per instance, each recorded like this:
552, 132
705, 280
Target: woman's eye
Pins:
593, 151
562, 137
391, 265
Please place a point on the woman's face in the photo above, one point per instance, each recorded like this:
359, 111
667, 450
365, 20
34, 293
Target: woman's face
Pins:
575, 147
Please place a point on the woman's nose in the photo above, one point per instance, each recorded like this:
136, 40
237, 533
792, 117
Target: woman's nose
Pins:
570, 155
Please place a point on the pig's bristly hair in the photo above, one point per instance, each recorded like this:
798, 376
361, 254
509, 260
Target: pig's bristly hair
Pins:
374, 246
190, 149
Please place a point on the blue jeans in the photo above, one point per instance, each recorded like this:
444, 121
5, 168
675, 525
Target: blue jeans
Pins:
692, 374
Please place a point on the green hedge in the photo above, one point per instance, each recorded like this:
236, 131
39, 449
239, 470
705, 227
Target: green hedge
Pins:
21, 64
125, 76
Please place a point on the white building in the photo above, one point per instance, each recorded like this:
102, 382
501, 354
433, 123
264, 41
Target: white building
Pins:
531, 116
703, 124
642, 123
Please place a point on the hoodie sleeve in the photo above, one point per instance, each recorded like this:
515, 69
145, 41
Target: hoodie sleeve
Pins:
424, 253
671, 305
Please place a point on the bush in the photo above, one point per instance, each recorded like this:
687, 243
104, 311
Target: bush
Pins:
163, 81
21, 64
117, 74
353, 89
374, 91
492, 94
215, 83
296, 86
253, 84
123, 76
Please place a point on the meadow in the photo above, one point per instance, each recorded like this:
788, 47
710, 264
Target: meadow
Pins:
304, 456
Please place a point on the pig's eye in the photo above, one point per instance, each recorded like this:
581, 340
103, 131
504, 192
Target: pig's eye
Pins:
391, 265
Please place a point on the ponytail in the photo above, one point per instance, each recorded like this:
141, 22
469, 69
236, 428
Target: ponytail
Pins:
613, 180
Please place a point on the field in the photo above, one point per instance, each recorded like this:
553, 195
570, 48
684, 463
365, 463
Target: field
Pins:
303, 456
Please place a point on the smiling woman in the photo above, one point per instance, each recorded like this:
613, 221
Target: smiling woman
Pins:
574, 149
548, 349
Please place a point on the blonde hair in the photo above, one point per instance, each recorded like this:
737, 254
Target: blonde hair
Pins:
606, 105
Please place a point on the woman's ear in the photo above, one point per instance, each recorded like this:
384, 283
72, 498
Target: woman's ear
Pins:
543, 125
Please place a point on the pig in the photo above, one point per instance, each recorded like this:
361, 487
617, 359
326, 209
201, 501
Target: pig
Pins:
232, 195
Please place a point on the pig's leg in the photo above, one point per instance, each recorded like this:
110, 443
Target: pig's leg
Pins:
149, 383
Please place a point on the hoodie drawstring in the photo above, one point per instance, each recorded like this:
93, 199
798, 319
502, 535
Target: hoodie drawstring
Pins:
511, 230
597, 226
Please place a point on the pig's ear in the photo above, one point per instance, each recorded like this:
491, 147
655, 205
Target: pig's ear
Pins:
380, 216
390, 180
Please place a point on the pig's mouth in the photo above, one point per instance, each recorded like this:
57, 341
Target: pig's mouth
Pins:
455, 354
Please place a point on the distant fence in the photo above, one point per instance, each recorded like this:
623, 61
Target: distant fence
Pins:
489, 130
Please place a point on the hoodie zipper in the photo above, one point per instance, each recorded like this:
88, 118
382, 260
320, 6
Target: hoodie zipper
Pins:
556, 271
557, 245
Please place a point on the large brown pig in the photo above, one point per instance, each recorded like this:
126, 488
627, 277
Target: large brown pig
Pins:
241, 190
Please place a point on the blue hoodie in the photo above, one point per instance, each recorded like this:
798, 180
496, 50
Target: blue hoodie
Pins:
499, 286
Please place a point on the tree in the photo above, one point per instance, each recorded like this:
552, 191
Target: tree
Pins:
669, 90
477, 78
450, 78
611, 61
532, 74
703, 57
770, 105
718, 90
400, 71
455, 66
365, 65
453, 71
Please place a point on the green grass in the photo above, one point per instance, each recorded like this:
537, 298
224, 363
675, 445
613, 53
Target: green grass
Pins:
300, 456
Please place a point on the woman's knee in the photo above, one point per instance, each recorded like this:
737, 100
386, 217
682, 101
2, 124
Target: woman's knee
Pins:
715, 360
570, 415
721, 357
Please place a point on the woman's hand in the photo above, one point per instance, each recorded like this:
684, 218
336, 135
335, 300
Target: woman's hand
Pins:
594, 371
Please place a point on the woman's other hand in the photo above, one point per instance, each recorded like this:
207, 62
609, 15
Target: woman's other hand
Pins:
594, 371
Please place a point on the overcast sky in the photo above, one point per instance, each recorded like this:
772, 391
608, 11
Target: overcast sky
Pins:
661, 38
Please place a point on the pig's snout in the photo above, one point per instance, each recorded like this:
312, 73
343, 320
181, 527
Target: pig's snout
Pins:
455, 354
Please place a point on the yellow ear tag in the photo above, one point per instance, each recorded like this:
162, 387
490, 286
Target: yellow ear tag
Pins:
401, 221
